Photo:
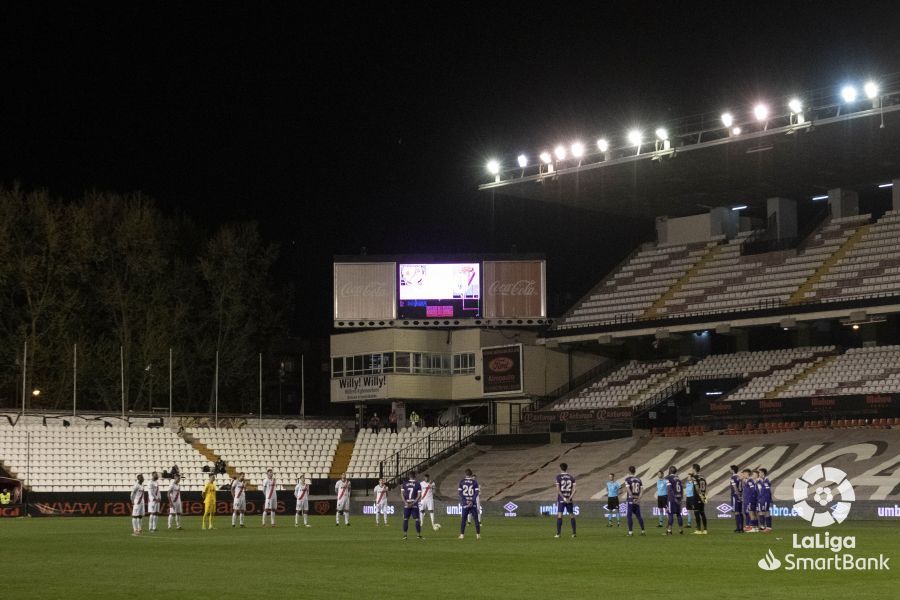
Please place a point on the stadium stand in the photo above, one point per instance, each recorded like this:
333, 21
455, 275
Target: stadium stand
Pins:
637, 382
528, 472
845, 257
639, 282
626, 386
371, 448
870, 267
291, 453
96, 458
858, 371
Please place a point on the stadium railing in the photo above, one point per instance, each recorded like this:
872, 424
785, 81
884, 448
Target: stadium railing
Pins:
427, 450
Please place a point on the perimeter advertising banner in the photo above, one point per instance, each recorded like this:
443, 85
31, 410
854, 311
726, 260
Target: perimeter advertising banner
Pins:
502, 370
514, 289
365, 291
877, 405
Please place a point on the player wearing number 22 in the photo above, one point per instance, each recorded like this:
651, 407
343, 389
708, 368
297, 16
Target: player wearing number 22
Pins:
411, 492
565, 496
468, 499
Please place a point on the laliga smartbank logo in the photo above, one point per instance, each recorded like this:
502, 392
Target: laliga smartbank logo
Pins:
823, 496
814, 493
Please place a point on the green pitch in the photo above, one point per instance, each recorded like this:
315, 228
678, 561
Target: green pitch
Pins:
516, 558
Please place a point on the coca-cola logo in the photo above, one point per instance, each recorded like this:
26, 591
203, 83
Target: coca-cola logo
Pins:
372, 289
522, 287
501, 364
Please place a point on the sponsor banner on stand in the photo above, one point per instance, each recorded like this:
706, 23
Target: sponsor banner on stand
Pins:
502, 368
514, 289
365, 291
871, 405
577, 416
359, 387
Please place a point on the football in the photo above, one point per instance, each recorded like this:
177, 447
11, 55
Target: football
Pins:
436, 526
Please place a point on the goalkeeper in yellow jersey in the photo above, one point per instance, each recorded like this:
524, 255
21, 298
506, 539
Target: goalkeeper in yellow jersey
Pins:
209, 501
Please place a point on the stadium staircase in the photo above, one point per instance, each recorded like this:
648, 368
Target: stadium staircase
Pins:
653, 311
801, 375
800, 295
212, 457
341, 459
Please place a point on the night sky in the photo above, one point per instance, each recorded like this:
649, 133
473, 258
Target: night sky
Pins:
338, 128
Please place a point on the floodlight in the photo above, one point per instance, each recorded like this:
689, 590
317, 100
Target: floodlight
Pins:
661, 134
577, 149
635, 137
727, 119
871, 90
817, 198
795, 105
493, 167
602, 145
546, 158
560, 152
885, 185
739, 207
35, 392
736, 131
848, 93
761, 112
523, 161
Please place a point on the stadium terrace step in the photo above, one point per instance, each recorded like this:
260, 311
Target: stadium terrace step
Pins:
341, 460
800, 295
815, 366
213, 457
654, 309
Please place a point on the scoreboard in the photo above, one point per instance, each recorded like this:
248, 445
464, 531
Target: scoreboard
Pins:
414, 291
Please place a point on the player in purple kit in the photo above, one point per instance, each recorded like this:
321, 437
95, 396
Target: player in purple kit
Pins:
468, 499
675, 493
737, 505
764, 500
565, 495
411, 494
749, 498
633, 488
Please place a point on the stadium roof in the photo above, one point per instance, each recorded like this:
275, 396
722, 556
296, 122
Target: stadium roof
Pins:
857, 150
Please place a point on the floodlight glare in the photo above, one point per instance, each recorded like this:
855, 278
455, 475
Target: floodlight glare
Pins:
523, 161
35, 392
493, 167
560, 152
739, 207
736, 131
661, 134
848, 93
602, 145
577, 149
795, 105
727, 119
871, 90
635, 137
545, 156
761, 112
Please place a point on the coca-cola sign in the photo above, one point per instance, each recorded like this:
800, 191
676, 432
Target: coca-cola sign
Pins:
522, 287
370, 289
365, 291
515, 289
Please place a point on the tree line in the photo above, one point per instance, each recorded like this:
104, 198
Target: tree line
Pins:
113, 273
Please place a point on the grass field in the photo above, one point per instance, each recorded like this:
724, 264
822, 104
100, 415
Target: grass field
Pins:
97, 557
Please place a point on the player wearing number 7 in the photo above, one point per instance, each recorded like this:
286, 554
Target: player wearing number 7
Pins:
565, 495
468, 498
411, 492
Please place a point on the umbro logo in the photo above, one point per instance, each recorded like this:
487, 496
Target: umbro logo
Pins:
510, 507
724, 508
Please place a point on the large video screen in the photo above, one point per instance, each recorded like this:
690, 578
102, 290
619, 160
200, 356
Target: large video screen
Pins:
439, 290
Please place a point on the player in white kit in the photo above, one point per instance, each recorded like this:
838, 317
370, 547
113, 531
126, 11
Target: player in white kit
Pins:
175, 501
381, 494
154, 501
301, 495
137, 505
270, 497
426, 505
342, 489
238, 499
